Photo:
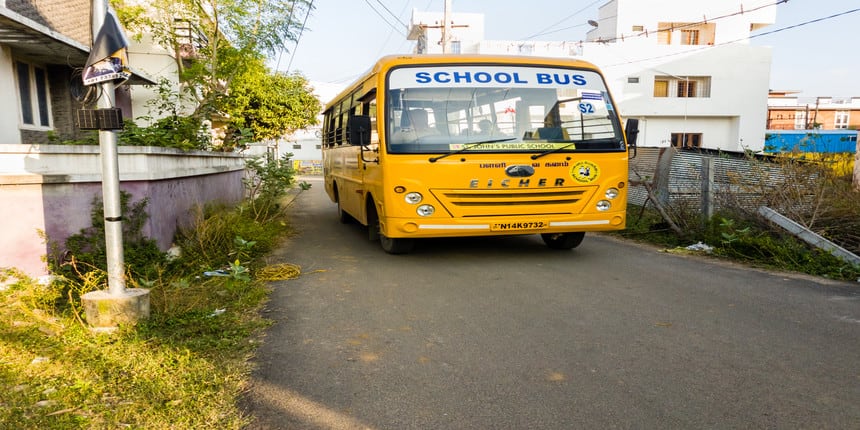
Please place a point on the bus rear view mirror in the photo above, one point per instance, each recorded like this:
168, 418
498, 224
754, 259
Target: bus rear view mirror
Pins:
631, 132
359, 130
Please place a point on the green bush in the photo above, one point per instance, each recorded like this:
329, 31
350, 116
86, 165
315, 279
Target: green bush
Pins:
85, 253
737, 236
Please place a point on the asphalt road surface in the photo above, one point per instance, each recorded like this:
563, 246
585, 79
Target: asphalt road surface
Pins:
504, 333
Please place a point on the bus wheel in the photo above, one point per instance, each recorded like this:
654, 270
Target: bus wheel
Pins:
389, 244
562, 240
344, 217
396, 246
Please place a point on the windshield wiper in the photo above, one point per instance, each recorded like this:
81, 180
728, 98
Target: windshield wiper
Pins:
536, 156
468, 147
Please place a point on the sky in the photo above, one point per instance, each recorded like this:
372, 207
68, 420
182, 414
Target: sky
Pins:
343, 38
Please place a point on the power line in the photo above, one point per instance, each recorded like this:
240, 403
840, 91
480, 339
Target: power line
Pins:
392, 13
384, 19
299, 38
545, 30
556, 31
283, 48
390, 33
813, 21
704, 20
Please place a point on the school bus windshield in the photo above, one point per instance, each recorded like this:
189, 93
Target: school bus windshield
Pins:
438, 109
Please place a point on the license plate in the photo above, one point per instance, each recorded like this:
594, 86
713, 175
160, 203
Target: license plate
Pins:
519, 225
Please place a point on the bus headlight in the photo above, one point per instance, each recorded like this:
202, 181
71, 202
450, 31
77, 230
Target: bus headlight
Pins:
603, 205
413, 198
612, 193
425, 210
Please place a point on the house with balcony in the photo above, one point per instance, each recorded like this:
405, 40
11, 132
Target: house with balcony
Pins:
684, 68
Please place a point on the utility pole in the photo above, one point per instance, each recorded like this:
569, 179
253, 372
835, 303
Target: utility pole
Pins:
110, 175
106, 310
815, 118
446, 26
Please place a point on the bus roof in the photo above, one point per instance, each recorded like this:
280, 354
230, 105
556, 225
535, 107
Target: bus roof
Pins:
385, 63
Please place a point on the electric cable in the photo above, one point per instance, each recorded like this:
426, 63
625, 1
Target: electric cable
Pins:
283, 48
402, 33
702, 48
705, 20
544, 31
392, 13
299, 38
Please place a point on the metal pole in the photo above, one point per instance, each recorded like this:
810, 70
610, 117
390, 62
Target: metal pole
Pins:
110, 176
446, 26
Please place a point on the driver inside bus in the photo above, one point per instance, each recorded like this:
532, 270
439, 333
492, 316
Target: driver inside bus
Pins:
414, 125
487, 128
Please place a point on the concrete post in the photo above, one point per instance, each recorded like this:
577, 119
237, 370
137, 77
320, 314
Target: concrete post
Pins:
707, 188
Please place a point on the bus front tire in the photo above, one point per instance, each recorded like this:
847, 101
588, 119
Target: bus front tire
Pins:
389, 244
562, 240
395, 245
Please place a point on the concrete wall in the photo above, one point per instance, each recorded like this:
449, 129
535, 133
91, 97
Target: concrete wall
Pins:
9, 122
51, 189
159, 63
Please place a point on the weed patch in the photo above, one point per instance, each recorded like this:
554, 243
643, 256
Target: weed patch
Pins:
182, 368
810, 194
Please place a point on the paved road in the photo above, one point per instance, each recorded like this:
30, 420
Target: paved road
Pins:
503, 333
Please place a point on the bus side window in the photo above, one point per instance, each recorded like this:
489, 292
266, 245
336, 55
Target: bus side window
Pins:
368, 108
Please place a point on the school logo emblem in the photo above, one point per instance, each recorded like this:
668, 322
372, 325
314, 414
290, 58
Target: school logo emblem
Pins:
584, 172
519, 171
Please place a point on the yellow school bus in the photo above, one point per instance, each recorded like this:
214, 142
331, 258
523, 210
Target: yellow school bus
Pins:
428, 146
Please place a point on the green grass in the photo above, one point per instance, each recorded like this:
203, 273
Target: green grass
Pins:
184, 367
740, 239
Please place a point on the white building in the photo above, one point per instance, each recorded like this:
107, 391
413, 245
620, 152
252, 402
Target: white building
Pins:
685, 68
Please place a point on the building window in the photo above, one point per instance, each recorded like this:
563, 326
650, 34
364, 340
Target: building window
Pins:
686, 33
632, 79
800, 120
690, 86
841, 119
661, 88
455, 47
664, 33
638, 28
687, 140
686, 88
297, 146
689, 37
33, 94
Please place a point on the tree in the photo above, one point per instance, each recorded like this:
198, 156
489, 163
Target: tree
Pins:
270, 105
220, 48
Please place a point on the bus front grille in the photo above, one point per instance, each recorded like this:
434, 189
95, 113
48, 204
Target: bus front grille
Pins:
511, 202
